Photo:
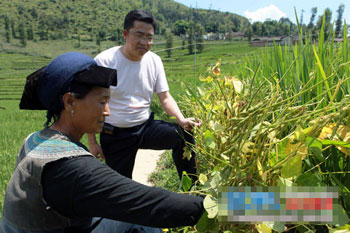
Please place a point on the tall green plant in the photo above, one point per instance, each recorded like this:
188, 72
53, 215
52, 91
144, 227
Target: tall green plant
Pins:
321, 64
260, 135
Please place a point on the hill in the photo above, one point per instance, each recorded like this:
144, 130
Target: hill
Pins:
101, 19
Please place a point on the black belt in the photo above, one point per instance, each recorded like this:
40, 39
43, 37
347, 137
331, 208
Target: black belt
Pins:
110, 129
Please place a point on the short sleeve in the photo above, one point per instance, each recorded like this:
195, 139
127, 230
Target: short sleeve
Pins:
161, 82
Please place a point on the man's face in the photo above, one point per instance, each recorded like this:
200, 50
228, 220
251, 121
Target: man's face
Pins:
138, 40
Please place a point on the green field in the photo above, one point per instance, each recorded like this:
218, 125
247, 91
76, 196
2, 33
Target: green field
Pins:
16, 63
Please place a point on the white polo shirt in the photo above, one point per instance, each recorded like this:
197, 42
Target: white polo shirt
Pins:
137, 82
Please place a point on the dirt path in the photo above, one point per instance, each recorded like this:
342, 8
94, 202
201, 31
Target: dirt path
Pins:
145, 164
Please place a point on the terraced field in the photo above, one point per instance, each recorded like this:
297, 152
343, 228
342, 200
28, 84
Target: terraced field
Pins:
13, 70
180, 67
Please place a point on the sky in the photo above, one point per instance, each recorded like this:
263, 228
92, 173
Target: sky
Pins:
259, 10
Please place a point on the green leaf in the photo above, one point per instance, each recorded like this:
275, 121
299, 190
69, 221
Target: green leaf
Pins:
223, 140
284, 182
342, 229
339, 215
216, 126
346, 198
206, 224
211, 206
299, 134
292, 167
202, 179
302, 229
216, 168
262, 228
280, 153
335, 143
315, 146
238, 85
186, 182
277, 226
309, 179
323, 74
215, 180
209, 139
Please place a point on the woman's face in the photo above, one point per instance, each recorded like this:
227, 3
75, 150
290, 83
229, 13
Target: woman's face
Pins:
90, 111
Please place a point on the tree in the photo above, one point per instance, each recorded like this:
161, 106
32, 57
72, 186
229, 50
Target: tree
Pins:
256, 27
190, 35
119, 36
263, 30
7, 28
30, 32
78, 39
180, 27
169, 43
302, 17
328, 16
285, 26
199, 37
248, 32
312, 18
338, 23
98, 40
13, 31
22, 34
101, 34
34, 13
21, 9
43, 28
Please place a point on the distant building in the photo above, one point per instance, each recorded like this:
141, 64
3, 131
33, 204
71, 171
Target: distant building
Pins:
210, 36
234, 36
265, 41
237, 35
289, 40
223, 36
220, 36
270, 41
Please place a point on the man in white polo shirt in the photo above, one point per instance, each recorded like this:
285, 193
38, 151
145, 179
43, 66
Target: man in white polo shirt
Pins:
130, 125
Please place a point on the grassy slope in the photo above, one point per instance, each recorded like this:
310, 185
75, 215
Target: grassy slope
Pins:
17, 124
68, 19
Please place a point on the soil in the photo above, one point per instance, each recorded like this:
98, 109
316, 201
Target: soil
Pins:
145, 164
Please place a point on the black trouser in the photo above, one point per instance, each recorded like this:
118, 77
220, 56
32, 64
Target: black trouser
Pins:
112, 226
121, 144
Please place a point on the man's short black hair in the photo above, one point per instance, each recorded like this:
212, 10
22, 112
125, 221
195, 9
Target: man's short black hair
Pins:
139, 15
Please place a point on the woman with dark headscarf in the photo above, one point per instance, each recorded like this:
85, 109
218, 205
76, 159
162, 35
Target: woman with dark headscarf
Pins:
58, 186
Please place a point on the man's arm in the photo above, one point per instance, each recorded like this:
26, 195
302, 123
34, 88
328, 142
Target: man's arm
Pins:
95, 148
172, 109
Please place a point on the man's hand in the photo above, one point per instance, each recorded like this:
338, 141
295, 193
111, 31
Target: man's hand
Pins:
189, 123
171, 108
96, 150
